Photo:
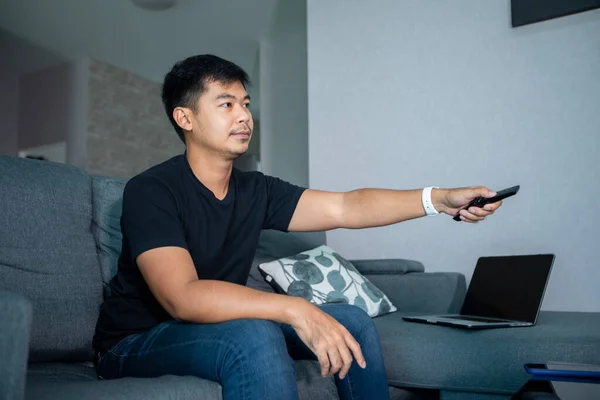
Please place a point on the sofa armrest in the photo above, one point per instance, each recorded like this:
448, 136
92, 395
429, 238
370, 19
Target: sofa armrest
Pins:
388, 266
15, 325
423, 292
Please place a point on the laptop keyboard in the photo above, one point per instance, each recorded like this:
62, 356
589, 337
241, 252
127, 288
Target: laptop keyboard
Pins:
475, 319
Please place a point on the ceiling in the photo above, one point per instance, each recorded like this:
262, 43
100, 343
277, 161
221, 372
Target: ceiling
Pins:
142, 41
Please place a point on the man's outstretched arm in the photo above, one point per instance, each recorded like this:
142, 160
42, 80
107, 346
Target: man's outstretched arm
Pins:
366, 208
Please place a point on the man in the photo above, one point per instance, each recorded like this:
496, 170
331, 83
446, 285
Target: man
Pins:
179, 304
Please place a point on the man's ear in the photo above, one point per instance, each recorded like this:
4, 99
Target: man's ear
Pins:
183, 117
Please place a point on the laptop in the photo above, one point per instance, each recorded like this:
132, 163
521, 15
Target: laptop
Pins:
505, 291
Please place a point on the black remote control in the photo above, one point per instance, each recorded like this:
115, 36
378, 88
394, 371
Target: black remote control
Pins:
482, 201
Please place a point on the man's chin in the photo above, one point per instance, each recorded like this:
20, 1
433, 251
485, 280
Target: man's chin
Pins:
235, 154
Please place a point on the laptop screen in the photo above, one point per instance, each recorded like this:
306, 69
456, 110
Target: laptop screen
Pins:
508, 287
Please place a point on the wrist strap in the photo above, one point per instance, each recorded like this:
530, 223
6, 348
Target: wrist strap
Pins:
426, 199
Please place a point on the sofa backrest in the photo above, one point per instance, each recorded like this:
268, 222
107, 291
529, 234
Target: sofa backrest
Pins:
48, 254
60, 239
107, 206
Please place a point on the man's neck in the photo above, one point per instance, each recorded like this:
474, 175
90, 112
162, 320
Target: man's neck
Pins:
212, 171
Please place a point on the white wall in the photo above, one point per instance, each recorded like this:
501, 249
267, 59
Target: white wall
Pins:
283, 95
411, 94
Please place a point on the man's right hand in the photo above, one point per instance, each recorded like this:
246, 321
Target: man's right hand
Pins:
187, 298
329, 340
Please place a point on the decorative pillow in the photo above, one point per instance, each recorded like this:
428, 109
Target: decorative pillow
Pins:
323, 276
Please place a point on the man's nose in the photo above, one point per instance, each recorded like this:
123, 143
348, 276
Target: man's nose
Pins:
243, 114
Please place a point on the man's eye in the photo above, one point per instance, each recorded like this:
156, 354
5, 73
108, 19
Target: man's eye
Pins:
247, 105
226, 105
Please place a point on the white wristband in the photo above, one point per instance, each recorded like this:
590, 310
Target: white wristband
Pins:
426, 199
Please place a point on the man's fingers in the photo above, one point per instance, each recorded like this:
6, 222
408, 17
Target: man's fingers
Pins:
474, 214
479, 212
482, 191
324, 362
346, 359
493, 206
485, 192
469, 217
356, 351
335, 359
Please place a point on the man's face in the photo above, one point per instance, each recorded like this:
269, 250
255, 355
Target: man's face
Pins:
223, 122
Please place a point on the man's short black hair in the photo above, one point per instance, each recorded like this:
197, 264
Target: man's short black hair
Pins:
187, 80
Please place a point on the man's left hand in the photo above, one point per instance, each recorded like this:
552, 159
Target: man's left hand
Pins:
453, 201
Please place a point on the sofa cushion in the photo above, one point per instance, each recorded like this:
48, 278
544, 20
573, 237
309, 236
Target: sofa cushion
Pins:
74, 382
387, 266
423, 293
15, 322
107, 206
255, 278
48, 254
489, 360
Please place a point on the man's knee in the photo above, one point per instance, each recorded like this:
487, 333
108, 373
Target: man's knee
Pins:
257, 364
353, 318
258, 341
262, 335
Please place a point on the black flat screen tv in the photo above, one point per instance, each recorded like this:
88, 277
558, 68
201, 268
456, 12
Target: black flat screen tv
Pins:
524, 12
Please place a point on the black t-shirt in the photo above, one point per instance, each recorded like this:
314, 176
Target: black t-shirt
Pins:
168, 206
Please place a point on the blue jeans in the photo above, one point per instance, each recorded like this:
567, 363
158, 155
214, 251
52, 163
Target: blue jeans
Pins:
250, 358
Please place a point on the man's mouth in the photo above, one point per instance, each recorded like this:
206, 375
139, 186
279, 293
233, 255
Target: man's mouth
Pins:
242, 134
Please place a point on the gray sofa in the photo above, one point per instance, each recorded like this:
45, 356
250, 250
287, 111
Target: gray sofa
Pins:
59, 243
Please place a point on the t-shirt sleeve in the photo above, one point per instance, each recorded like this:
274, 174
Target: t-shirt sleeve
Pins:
150, 217
282, 199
